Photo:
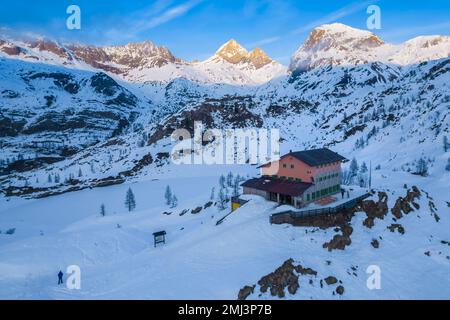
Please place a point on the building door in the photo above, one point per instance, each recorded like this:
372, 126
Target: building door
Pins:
273, 196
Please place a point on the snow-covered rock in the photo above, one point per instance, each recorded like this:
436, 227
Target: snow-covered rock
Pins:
340, 45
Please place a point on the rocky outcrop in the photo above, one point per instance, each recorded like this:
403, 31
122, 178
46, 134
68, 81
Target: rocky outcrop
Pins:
340, 241
211, 113
330, 280
277, 282
375, 210
282, 278
196, 210
127, 57
396, 227
375, 243
403, 205
245, 292
340, 290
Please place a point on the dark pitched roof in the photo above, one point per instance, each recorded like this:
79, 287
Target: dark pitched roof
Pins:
289, 188
314, 157
317, 157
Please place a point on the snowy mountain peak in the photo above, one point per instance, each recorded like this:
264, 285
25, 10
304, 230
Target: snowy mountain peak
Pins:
333, 44
259, 58
130, 56
338, 44
232, 52
340, 36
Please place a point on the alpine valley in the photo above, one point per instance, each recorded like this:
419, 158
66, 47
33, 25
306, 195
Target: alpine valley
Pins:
80, 125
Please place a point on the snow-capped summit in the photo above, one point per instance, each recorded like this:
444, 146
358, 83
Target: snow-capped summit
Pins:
148, 62
133, 55
234, 53
259, 58
338, 44
335, 44
234, 64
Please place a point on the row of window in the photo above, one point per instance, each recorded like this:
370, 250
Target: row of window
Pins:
330, 176
290, 179
321, 193
320, 166
328, 165
283, 178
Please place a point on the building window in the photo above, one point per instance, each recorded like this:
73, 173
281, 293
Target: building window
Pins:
307, 197
284, 165
298, 180
292, 166
314, 196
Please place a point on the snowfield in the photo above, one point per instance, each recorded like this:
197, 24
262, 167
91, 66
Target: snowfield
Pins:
203, 261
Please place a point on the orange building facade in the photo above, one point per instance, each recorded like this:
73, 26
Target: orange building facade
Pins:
300, 178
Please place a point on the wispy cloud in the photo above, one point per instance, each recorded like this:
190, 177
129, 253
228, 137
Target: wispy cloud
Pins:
333, 16
133, 25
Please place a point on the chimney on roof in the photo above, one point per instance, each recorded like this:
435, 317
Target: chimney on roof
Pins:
290, 151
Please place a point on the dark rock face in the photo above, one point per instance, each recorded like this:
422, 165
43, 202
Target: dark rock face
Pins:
29, 164
245, 292
375, 243
340, 290
319, 221
69, 186
212, 113
403, 205
339, 242
374, 209
330, 280
196, 210
10, 127
138, 166
61, 80
354, 130
104, 84
281, 278
56, 122
208, 204
395, 226
305, 271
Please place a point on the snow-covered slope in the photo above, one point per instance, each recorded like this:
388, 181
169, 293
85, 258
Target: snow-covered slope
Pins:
340, 45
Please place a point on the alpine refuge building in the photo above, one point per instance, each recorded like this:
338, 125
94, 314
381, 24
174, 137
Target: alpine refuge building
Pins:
301, 178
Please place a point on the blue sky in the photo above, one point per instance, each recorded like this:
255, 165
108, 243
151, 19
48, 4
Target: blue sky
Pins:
194, 29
